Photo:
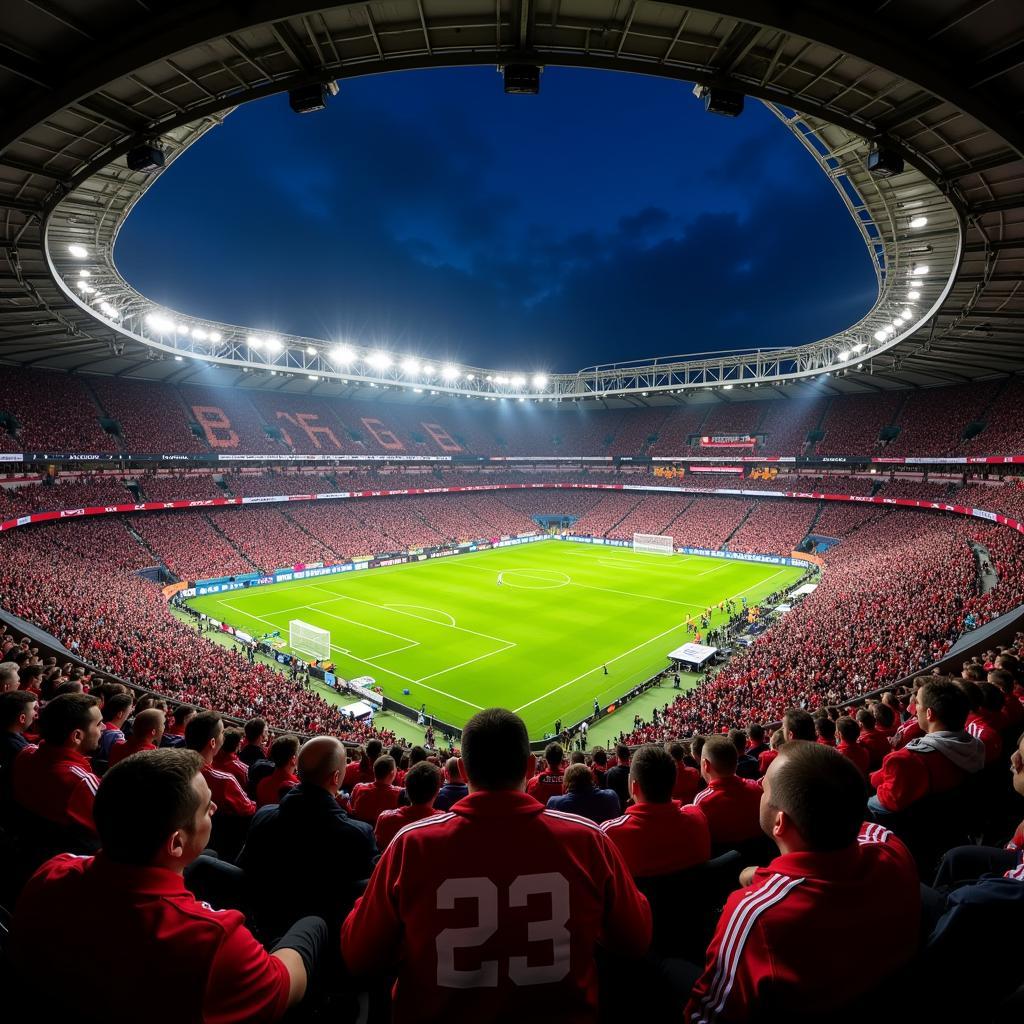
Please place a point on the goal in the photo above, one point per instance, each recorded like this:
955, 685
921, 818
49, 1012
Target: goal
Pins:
306, 639
653, 543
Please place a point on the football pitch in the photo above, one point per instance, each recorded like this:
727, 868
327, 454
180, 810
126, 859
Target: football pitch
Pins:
539, 642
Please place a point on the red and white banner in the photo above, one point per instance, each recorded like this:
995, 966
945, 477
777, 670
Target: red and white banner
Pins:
728, 441
717, 469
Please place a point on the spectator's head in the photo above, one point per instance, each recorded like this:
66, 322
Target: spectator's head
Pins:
154, 809
972, 691
813, 799
885, 717
232, 741
322, 763
848, 729
554, 755
718, 758
373, 750
17, 710
697, 747
284, 752
422, 782
622, 753
973, 673
599, 756
756, 734
72, 720
9, 677
798, 725
204, 734
416, 755
993, 700
676, 751
577, 757
30, 677
181, 716
255, 732
117, 708
778, 738
652, 775
385, 769
738, 738
577, 779
997, 677
148, 726
495, 750
826, 730
452, 771
866, 720
1017, 767
942, 706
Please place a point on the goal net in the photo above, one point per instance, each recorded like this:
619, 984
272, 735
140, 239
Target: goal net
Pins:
653, 543
306, 639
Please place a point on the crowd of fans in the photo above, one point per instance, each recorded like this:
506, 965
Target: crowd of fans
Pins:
54, 411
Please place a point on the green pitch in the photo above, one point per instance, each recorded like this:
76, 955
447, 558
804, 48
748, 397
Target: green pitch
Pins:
538, 643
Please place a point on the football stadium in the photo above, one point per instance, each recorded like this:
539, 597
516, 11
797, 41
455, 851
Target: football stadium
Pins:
512, 511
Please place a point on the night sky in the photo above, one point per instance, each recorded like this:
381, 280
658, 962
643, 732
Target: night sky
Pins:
427, 213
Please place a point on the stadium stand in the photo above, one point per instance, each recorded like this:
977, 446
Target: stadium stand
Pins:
774, 527
852, 425
150, 417
51, 411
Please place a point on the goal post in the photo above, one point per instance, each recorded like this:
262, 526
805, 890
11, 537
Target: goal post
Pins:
310, 640
653, 543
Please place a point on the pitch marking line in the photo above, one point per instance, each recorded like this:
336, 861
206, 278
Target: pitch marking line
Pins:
424, 608
365, 661
597, 668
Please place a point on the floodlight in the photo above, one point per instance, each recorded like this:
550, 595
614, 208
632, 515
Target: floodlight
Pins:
342, 354
85, 273
313, 376
884, 161
859, 347
274, 344
522, 79
307, 99
898, 321
255, 342
78, 251
518, 381
147, 156
919, 222
907, 314
160, 323
727, 387
470, 376
199, 334
540, 381
310, 351
914, 294
215, 336
410, 367
920, 270
843, 356
449, 373
379, 360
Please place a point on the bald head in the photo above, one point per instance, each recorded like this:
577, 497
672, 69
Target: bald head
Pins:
322, 761
149, 724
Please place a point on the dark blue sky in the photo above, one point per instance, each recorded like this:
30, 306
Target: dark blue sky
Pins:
426, 212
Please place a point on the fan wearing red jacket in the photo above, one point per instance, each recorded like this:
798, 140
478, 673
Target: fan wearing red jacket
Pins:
494, 908
656, 836
549, 782
730, 804
422, 781
370, 798
153, 813
55, 780
204, 734
147, 731
766, 959
688, 781
856, 752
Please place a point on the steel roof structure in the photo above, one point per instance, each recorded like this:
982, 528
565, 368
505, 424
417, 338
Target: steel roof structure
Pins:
940, 82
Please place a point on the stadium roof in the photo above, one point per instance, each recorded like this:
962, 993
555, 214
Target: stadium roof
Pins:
939, 82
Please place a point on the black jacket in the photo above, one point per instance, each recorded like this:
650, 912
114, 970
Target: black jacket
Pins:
305, 856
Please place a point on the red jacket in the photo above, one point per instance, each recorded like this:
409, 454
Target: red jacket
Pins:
907, 775
274, 786
194, 963
390, 823
545, 785
230, 763
986, 729
770, 954
858, 754
370, 798
877, 745
765, 760
492, 909
56, 783
227, 794
658, 839
909, 730
732, 807
688, 783
119, 751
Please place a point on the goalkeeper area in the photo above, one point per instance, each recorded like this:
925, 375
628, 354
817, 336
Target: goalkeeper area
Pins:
532, 627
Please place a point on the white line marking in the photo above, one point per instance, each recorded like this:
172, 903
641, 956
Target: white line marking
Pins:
597, 668
423, 608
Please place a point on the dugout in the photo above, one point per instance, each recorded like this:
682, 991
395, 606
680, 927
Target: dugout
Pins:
692, 657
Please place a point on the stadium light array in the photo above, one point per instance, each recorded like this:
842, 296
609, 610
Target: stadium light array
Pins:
920, 270
450, 372
78, 251
859, 347
518, 381
844, 356
342, 354
410, 367
379, 360
274, 345
310, 351
918, 222
160, 323
540, 381
913, 294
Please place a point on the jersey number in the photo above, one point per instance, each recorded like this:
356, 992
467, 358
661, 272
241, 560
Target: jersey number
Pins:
485, 893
